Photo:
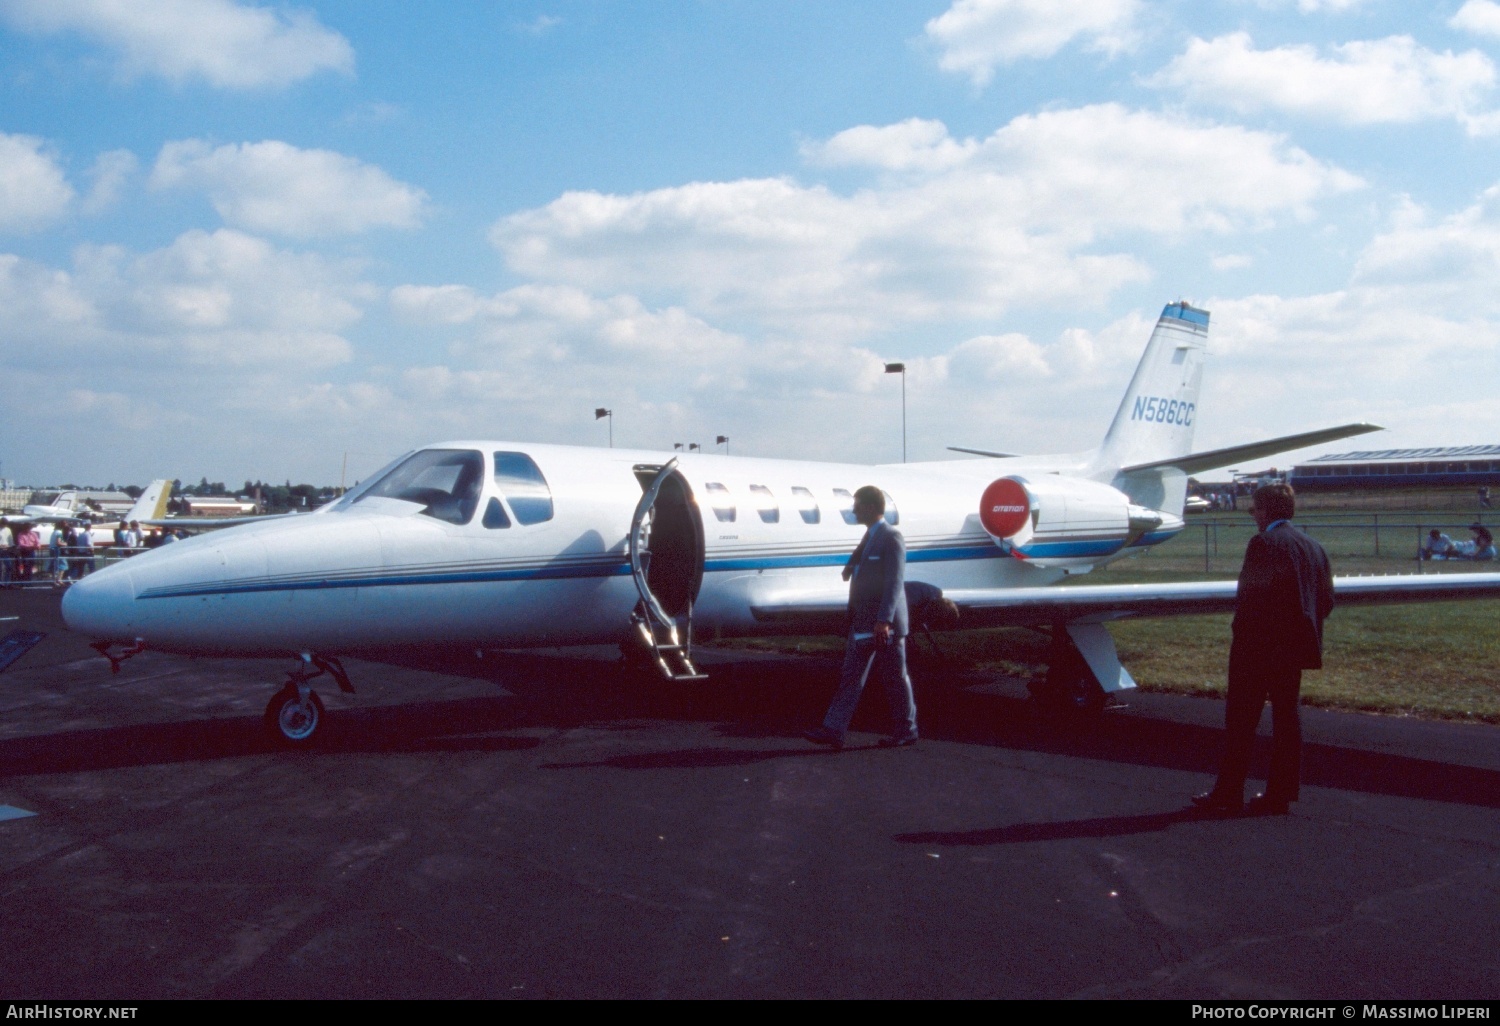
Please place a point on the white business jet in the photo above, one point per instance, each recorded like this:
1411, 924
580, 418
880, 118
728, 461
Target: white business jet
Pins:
500, 545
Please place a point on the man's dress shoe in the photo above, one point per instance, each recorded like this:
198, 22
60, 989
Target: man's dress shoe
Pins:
824, 736
897, 742
1264, 805
1212, 801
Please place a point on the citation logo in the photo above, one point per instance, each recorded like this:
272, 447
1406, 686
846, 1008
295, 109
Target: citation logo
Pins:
1004, 507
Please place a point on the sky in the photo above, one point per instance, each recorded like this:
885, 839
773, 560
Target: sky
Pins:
251, 241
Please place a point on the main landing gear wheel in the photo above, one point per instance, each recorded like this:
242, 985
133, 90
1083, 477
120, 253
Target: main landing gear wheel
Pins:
293, 719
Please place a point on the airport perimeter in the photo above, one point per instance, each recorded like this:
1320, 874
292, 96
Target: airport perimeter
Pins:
540, 826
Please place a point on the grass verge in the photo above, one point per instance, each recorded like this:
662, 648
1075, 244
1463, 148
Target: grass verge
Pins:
1435, 660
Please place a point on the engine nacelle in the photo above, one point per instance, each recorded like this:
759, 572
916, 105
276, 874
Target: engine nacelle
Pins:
1063, 519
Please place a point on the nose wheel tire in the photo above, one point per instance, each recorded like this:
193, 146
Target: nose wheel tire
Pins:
291, 719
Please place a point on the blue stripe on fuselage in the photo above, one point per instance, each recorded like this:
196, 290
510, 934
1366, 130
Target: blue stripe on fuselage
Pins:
611, 568
621, 568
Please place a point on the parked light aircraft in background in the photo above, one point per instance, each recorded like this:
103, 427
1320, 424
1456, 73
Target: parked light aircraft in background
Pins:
500, 545
151, 503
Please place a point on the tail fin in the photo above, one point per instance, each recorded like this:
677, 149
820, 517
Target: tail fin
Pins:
1156, 418
152, 505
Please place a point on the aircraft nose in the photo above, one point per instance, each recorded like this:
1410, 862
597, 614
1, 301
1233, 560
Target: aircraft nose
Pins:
101, 605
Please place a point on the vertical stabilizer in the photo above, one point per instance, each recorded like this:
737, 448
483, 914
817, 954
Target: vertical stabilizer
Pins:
152, 505
1156, 418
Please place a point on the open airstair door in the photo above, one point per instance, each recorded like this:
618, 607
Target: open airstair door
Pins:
666, 560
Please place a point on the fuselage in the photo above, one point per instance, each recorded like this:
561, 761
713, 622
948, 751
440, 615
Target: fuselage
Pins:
489, 569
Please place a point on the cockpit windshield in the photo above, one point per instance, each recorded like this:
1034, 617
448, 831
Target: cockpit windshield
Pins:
446, 482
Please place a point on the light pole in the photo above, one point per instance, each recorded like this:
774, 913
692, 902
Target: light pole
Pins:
599, 414
724, 441
900, 368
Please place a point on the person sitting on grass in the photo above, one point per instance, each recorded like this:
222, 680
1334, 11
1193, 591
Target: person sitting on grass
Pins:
1438, 545
1484, 543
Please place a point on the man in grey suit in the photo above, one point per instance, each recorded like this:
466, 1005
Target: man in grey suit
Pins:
877, 629
1285, 593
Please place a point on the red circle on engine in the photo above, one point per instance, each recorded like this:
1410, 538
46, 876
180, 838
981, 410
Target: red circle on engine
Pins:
1004, 507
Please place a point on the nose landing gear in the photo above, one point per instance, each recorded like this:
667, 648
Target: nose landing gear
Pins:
295, 713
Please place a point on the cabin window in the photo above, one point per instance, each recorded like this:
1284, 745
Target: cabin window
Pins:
807, 506
765, 504
445, 482
845, 500
520, 480
720, 502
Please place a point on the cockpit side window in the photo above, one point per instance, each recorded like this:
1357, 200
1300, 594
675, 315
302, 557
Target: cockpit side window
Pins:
845, 500
521, 481
892, 515
446, 482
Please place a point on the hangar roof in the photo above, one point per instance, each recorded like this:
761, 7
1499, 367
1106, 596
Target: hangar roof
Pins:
1378, 455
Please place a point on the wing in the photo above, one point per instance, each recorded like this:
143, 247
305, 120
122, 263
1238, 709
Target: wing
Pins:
22, 519
1083, 610
816, 612
196, 524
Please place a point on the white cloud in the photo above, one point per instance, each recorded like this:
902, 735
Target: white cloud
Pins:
972, 228
224, 43
275, 187
1456, 258
911, 145
216, 300
974, 36
540, 25
110, 173
1480, 17
991, 358
1314, 6
33, 189
1383, 80
1231, 261
562, 323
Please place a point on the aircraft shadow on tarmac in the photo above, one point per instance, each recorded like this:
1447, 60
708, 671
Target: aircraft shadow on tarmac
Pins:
767, 698
1105, 826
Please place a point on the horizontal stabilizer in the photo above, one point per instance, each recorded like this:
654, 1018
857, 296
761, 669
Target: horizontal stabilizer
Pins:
1195, 463
983, 452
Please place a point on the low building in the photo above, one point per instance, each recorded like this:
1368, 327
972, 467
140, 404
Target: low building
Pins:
1469, 466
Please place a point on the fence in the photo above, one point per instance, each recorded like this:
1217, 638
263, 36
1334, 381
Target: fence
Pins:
1356, 542
46, 570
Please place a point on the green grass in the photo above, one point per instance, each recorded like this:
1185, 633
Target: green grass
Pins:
1436, 660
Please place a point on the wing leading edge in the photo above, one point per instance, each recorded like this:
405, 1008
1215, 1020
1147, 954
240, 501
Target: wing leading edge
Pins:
1099, 603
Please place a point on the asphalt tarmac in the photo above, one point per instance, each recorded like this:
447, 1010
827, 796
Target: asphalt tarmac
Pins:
545, 825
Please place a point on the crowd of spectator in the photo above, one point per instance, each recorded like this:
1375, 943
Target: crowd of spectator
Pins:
33, 552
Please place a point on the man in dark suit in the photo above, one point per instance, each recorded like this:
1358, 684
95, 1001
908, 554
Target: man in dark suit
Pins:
877, 629
1285, 593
